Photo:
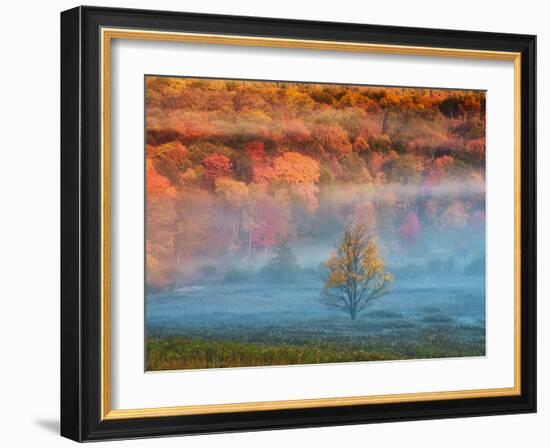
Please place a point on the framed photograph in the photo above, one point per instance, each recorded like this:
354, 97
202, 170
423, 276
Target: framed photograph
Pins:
273, 223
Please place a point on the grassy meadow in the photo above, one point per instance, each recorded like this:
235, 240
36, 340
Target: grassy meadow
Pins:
176, 352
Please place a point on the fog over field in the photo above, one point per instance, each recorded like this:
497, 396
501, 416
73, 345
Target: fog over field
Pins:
437, 297
439, 281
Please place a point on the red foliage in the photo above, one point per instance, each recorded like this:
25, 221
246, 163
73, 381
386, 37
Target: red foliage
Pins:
268, 224
216, 166
255, 150
262, 173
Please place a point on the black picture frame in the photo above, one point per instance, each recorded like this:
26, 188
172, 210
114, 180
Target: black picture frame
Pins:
81, 224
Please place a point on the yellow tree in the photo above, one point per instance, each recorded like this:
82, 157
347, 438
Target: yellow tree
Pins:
355, 273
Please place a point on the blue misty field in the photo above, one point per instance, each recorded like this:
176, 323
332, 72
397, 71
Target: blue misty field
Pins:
427, 315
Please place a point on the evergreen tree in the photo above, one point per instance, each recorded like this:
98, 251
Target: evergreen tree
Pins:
283, 264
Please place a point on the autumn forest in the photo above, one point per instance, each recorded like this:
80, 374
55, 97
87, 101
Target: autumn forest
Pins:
268, 202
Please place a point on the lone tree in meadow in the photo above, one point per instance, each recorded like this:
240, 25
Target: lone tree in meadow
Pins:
355, 273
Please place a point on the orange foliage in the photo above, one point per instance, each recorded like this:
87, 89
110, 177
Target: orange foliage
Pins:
233, 165
295, 168
332, 138
157, 184
216, 166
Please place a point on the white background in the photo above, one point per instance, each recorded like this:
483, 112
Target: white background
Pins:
132, 388
29, 224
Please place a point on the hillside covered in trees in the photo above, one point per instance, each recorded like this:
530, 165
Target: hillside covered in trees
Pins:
235, 167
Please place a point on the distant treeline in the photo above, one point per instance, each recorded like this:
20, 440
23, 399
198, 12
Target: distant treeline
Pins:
233, 167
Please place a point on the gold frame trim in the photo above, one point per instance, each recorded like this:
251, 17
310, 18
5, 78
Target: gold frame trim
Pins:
107, 35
